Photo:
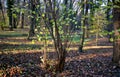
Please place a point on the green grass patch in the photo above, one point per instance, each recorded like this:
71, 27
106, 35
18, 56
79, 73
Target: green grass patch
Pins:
12, 47
12, 34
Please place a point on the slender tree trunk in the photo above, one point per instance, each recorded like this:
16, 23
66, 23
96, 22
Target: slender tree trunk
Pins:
10, 6
14, 22
110, 25
22, 20
18, 14
16, 19
116, 16
85, 21
10, 21
33, 19
97, 38
1, 8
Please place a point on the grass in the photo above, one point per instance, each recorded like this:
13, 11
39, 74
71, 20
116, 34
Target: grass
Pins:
17, 40
4, 34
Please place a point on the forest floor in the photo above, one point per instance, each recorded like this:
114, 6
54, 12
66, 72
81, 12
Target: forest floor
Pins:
21, 58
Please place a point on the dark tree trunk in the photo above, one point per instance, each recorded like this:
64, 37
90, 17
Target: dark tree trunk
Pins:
116, 18
33, 19
22, 20
1, 8
10, 6
10, 22
85, 22
110, 25
14, 22
16, 19
61, 61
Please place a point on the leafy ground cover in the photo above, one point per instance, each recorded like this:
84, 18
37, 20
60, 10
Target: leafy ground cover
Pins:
20, 58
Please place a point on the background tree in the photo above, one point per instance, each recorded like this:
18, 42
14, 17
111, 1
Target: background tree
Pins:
116, 23
84, 23
16, 13
32, 5
109, 19
3, 16
22, 19
10, 4
99, 24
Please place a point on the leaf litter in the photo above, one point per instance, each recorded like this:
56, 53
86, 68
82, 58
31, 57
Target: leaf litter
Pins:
91, 63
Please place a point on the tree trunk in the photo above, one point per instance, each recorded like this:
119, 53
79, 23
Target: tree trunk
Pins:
61, 61
10, 21
10, 5
97, 38
3, 16
22, 20
116, 16
32, 26
110, 25
85, 22
1, 8
14, 22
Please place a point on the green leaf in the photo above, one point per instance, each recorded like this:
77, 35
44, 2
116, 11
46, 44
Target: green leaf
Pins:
76, 23
33, 41
14, 15
43, 15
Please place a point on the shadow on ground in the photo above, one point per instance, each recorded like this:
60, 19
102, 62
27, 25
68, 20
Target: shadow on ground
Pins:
8, 47
87, 64
13, 35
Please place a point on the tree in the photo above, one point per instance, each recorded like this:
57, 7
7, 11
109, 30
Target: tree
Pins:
16, 13
10, 4
22, 20
85, 23
3, 16
116, 23
59, 47
56, 20
109, 19
99, 23
33, 18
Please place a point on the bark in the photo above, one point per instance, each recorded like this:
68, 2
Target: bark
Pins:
14, 22
16, 19
10, 12
33, 19
22, 21
61, 61
85, 21
110, 25
1, 8
116, 16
